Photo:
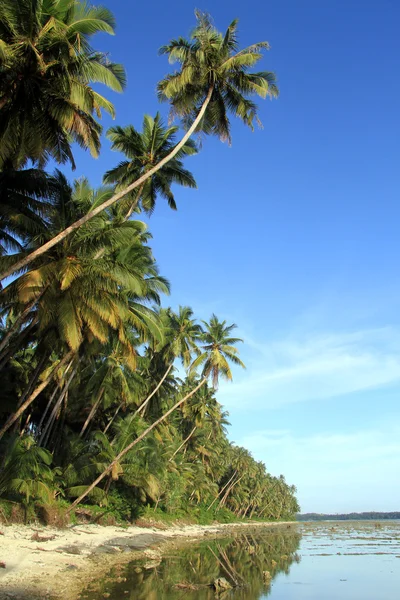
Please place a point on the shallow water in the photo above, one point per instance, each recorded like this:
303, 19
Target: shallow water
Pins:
329, 560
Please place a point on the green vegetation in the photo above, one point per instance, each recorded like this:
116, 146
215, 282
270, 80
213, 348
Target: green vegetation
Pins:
93, 406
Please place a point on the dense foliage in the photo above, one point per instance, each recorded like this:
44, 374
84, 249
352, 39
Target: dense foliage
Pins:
107, 396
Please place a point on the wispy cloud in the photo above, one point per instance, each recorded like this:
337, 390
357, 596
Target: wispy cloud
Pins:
335, 472
316, 367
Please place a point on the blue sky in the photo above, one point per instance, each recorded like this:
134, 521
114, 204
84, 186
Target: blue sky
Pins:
293, 235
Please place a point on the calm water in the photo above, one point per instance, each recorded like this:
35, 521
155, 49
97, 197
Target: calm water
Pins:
330, 561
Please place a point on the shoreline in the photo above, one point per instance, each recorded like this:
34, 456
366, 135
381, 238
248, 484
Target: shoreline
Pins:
45, 562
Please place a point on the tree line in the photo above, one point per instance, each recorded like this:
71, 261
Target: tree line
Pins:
93, 406
364, 516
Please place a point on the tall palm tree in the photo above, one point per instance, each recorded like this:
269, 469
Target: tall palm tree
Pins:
218, 350
95, 284
213, 81
144, 150
47, 67
182, 336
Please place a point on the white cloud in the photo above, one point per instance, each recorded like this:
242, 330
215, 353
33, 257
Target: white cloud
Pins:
317, 367
340, 472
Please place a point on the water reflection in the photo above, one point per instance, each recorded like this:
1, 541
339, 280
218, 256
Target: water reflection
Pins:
248, 559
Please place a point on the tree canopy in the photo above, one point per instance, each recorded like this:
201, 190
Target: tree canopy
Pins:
109, 395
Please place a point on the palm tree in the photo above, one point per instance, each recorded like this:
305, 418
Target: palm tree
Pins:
213, 81
218, 349
24, 203
47, 67
182, 335
26, 473
96, 284
144, 151
217, 352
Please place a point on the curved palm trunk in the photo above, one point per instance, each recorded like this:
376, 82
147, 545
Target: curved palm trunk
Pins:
145, 403
11, 420
92, 412
226, 496
220, 492
58, 238
111, 421
132, 444
183, 443
7, 352
33, 379
17, 323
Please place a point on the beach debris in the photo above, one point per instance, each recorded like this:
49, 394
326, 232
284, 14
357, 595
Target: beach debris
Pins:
221, 585
42, 538
185, 585
2, 565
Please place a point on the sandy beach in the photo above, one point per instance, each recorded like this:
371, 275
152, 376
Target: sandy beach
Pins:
43, 562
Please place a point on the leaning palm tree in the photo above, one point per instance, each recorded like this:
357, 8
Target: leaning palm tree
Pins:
218, 351
96, 284
214, 80
144, 150
47, 67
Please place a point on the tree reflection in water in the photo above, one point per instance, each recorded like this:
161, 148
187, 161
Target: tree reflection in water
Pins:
246, 555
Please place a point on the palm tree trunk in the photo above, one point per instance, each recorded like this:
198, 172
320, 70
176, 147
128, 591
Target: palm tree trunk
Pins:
225, 498
135, 202
111, 421
220, 492
132, 444
63, 234
144, 404
17, 323
23, 428
92, 412
7, 352
11, 420
46, 431
33, 379
184, 442
245, 510
46, 410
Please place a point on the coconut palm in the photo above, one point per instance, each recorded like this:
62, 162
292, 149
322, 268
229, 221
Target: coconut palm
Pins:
47, 67
97, 283
217, 352
182, 336
214, 80
145, 150
24, 203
